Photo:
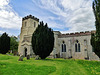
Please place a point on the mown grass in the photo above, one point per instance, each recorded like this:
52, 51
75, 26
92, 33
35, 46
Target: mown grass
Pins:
9, 65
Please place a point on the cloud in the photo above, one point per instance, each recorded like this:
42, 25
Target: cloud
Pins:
82, 20
8, 17
75, 15
4, 2
1, 32
63, 15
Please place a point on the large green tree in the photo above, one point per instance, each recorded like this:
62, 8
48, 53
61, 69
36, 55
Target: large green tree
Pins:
4, 43
13, 43
95, 39
43, 41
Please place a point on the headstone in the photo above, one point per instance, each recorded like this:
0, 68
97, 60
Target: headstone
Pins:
37, 57
28, 57
21, 58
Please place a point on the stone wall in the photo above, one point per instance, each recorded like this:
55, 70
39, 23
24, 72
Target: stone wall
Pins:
29, 25
70, 41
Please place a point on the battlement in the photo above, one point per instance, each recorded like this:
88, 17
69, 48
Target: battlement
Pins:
30, 16
77, 34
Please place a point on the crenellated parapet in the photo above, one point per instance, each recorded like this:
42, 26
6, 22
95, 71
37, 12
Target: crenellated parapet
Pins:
77, 34
30, 16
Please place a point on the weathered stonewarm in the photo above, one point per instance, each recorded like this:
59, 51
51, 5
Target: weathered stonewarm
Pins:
29, 25
70, 39
75, 45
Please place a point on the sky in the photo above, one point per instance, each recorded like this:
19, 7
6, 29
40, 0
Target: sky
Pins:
65, 16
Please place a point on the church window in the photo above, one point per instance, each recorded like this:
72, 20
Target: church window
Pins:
77, 46
63, 47
34, 24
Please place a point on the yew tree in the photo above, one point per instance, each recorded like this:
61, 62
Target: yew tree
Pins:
43, 40
95, 38
4, 43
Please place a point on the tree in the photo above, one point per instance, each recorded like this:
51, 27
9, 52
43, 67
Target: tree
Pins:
13, 43
4, 43
43, 41
95, 38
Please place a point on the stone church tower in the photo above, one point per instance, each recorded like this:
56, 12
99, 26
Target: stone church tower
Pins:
29, 25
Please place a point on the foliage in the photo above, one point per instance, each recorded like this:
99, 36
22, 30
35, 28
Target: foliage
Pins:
4, 43
47, 67
13, 43
95, 40
43, 40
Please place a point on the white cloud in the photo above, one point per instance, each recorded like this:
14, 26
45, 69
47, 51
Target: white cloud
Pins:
3, 2
8, 17
82, 20
76, 14
1, 32
52, 23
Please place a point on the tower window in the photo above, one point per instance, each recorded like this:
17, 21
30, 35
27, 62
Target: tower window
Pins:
34, 24
25, 24
77, 46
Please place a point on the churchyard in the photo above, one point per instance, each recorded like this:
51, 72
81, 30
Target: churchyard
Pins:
9, 65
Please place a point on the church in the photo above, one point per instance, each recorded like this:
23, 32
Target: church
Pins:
70, 45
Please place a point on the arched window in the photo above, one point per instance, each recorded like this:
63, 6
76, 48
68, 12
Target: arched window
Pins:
63, 47
77, 46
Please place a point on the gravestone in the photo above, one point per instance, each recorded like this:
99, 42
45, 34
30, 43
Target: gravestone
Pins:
21, 58
37, 57
28, 57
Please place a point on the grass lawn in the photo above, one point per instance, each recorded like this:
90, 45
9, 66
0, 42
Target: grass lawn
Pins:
9, 65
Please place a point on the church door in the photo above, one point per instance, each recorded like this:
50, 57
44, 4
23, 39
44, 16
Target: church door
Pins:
25, 52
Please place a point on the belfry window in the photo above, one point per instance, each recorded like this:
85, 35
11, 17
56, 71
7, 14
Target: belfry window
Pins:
63, 47
77, 46
34, 24
25, 24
